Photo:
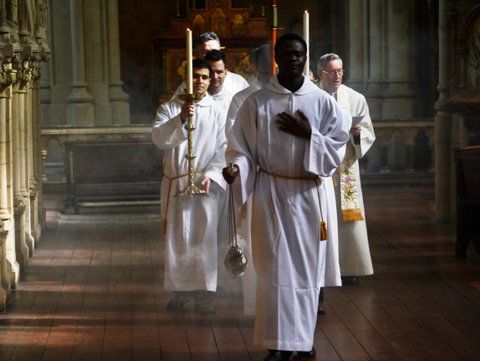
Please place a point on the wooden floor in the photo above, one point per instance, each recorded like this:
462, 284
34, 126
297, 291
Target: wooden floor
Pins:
93, 291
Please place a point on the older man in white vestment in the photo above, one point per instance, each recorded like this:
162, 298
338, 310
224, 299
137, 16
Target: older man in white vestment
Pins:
354, 249
285, 138
192, 221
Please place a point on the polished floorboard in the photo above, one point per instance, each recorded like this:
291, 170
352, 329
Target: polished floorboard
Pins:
93, 291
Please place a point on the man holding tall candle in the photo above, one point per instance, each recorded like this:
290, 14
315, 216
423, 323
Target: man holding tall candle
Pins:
191, 222
285, 139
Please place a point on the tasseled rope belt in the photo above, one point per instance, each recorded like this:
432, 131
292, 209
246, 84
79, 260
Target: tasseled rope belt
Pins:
170, 181
323, 226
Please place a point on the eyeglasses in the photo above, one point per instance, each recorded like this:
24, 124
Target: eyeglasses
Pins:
334, 72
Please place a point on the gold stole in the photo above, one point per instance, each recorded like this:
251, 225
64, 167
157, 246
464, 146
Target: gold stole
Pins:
348, 176
348, 188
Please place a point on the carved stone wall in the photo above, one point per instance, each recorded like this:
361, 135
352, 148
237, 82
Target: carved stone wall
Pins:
82, 84
23, 46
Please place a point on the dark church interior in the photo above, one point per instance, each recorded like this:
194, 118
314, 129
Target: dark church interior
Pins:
81, 244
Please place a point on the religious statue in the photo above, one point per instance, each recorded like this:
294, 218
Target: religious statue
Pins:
238, 25
198, 24
219, 22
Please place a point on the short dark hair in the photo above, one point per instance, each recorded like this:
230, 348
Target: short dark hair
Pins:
262, 52
209, 35
201, 64
290, 37
216, 55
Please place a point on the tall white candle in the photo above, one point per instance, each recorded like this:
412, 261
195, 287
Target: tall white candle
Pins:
189, 62
306, 37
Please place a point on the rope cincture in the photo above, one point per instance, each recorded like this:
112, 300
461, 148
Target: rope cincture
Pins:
323, 225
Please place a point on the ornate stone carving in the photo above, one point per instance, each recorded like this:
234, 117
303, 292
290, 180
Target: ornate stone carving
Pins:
3, 234
26, 15
7, 74
24, 71
42, 14
11, 7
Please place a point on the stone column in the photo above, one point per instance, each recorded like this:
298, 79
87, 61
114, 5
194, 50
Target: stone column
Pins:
399, 96
80, 110
357, 45
367, 52
37, 169
6, 106
376, 55
24, 112
5, 215
118, 98
4, 291
19, 164
442, 123
4, 151
30, 151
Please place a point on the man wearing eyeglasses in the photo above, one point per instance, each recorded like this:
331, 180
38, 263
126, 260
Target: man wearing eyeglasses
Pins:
355, 259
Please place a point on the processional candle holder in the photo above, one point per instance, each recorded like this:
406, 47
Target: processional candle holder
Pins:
191, 189
306, 37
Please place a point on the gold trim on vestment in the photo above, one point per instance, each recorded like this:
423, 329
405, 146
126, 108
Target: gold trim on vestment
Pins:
349, 194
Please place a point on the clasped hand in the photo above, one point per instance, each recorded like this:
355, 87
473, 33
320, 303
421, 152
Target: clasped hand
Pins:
299, 127
230, 173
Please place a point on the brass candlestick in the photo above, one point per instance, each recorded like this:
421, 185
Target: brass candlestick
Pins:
191, 189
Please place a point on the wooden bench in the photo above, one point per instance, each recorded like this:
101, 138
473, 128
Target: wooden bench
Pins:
106, 174
468, 199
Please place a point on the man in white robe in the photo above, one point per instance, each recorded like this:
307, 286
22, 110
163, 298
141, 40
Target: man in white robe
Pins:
354, 249
217, 60
222, 97
233, 82
262, 62
191, 221
285, 138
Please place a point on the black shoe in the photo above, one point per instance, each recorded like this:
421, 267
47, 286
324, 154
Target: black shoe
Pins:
203, 303
178, 302
321, 310
307, 354
350, 280
204, 309
277, 355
